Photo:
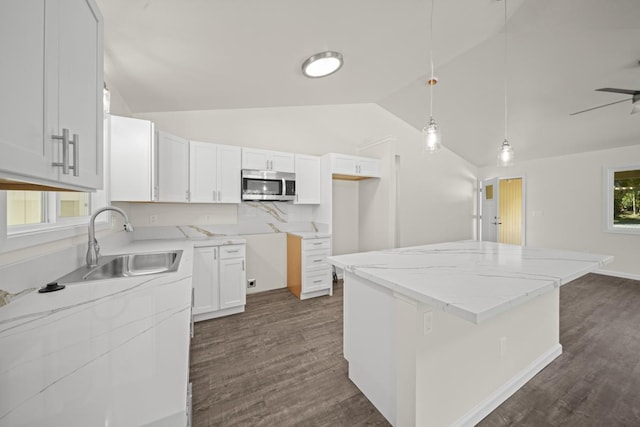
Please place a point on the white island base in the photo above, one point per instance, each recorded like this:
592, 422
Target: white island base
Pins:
422, 366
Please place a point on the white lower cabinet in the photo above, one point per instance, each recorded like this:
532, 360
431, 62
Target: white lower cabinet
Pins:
219, 281
308, 273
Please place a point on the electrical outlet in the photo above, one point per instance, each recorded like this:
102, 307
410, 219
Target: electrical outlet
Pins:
251, 283
428, 322
153, 219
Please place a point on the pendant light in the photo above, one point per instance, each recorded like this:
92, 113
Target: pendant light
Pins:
430, 133
505, 154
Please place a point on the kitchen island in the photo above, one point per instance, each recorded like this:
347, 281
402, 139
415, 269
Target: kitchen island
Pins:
440, 335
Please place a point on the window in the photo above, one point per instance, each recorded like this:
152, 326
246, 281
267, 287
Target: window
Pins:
33, 210
25, 207
622, 189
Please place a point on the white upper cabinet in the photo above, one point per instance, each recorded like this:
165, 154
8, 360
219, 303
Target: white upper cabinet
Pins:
173, 168
155, 166
52, 73
229, 173
253, 158
133, 160
354, 167
307, 179
214, 172
80, 87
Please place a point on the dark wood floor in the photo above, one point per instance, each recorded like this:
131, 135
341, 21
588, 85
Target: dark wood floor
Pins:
280, 364
596, 380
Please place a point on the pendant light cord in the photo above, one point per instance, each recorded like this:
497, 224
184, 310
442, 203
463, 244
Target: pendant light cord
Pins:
431, 82
505, 69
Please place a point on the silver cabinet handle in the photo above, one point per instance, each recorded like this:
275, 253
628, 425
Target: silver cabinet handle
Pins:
318, 260
317, 281
318, 243
65, 151
219, 196
242, 265
233, 252
186, 195
214, 195
76, 154
193, 298
215, 254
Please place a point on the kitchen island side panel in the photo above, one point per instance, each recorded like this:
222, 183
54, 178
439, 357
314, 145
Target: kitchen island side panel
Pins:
465, 370
422, 366
369, 341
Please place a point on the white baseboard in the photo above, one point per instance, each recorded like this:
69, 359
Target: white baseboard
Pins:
498, 397
618, 274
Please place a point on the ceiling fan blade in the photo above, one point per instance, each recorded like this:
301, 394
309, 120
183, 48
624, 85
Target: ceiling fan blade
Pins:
625, 91
599, 106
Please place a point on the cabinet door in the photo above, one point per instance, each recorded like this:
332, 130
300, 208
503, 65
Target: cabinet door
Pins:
173, 168
80, 83
282, 162
203, 173
205, 280
255, 159
132, 160
24, 149
229, 173
344, 164
232, 283
307, 179
369, 167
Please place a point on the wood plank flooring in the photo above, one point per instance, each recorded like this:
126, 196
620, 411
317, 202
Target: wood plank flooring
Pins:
596, 380
277, 364
280, 364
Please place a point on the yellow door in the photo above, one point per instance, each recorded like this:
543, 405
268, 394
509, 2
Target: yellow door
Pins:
510, 211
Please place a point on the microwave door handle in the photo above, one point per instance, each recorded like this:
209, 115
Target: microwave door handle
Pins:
284, 187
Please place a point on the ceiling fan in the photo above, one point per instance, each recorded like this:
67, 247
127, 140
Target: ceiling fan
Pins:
635, 100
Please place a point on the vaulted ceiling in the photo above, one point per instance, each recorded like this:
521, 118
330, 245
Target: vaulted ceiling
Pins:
177, 55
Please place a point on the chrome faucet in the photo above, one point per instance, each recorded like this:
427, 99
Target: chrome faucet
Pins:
93, 252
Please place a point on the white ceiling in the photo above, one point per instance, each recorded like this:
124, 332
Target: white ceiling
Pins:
174, 55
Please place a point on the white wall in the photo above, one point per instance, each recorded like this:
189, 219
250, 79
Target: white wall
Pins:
313, 130
345, 231
265, 262
564, 204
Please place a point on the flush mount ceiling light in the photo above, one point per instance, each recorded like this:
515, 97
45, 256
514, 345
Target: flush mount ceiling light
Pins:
322, 64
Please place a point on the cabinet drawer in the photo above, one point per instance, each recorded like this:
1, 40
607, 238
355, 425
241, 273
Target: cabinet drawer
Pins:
312, 244
232, 251
316, 280
315, 260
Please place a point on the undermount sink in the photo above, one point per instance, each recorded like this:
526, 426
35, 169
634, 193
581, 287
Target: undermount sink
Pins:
127, 265
136, 265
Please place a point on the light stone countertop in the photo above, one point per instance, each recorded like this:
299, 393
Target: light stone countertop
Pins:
470, 279
109, 352
310, 234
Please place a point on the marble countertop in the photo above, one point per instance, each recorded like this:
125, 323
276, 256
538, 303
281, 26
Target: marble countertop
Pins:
473, 280
310, 234
109, 352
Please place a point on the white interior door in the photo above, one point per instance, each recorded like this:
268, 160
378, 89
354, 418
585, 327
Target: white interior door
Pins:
490, 220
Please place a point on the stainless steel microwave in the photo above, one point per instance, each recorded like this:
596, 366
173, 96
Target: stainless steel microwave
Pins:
268, 185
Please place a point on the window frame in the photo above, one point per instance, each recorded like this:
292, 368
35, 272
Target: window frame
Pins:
27, 235
608, 187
